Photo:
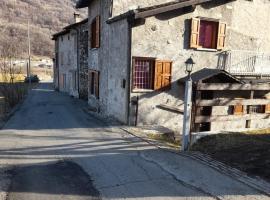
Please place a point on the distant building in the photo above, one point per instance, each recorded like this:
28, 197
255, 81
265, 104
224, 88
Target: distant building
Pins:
71, 59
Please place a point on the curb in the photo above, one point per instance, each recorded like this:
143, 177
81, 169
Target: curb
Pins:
255, 183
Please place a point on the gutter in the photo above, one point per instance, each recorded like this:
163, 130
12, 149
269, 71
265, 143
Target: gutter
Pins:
129, 70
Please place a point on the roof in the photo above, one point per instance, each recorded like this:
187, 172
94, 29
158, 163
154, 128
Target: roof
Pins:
83, 3
140, 13
68, 28
212, 75
56, 35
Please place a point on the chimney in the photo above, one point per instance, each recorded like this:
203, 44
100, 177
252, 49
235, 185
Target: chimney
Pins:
77, 17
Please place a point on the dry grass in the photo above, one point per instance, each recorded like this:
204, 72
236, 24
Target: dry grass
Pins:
166, 140
249, 151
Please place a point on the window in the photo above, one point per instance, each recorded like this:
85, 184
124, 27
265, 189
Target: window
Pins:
95, 33
94, 83
207, 34
267, 108
63, 81
238, 109
149, 73
75, 80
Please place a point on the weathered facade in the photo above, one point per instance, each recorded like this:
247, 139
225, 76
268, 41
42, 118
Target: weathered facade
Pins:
143, 46
71, 59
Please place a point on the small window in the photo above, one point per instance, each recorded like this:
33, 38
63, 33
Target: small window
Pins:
267, 108
151, 74
238, 109
95, 33
94, 83
207, 34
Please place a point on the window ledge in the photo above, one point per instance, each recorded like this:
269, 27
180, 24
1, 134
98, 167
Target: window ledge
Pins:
206, 49
94, 49
142, 90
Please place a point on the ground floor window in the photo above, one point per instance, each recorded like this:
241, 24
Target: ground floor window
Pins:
63, 81
94, 83
75, 80
151, 74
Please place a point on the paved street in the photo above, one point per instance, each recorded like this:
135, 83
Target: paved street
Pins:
54, 150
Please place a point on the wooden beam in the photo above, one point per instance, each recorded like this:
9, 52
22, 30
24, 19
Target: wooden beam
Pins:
222, 118
233, 86
163, 9
232, 102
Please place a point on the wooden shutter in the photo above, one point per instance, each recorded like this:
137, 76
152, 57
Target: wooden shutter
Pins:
221, 35
158, 75
195, 33
167, 74
96, 84
163, 73
267, 108
97, 32
238, 109
93, 33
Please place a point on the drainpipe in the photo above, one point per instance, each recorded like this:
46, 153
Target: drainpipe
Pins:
78, 62
129, 68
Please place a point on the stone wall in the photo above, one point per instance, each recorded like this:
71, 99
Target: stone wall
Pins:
112, 63
83, 60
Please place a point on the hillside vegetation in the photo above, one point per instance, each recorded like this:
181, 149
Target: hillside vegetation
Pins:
46, 17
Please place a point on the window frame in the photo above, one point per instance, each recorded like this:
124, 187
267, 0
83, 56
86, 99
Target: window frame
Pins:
94, 78
95, 33
154, 75
220, 36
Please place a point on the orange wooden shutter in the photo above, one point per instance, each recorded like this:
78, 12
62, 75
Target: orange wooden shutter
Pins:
267, 108
97, 32
167, 74
195, 33
96, 83
221, 35
158, 75
163, 74
238, 109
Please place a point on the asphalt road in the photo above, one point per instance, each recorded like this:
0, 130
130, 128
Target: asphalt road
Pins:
54, 150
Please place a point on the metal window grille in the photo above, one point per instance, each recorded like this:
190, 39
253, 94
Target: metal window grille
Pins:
257, 109
142, 78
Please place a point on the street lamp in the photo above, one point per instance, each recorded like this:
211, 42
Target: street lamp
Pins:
189, 66
187, 105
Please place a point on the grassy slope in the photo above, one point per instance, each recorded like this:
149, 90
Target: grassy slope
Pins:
248, 152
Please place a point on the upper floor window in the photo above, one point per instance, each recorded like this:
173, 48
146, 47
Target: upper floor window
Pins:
95, 33
207, 34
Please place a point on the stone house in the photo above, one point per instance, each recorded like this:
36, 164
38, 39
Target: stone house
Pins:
71, 59
137, 53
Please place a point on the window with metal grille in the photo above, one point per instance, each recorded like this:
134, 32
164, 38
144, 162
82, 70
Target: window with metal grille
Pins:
143, 70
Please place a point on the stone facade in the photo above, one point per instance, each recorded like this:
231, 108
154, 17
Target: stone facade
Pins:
164, 37
83, 60
71, 60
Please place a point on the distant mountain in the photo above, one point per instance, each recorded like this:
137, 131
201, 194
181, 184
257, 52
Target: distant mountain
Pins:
46, 17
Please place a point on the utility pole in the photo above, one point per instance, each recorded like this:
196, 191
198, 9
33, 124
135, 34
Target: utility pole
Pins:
29, 54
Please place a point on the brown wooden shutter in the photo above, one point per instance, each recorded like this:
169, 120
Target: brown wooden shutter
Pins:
158, 75
195, 33
96, 83
267, 108
167, 74
163, 73
221, 35
238, 109
97, 32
